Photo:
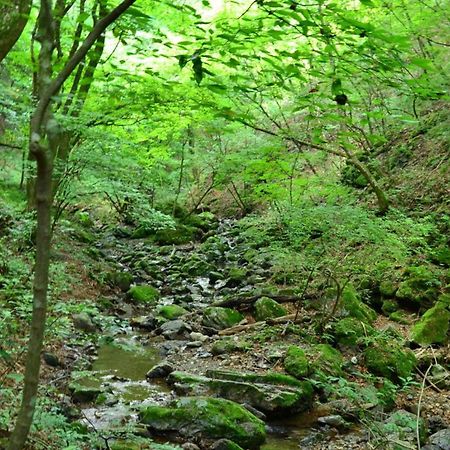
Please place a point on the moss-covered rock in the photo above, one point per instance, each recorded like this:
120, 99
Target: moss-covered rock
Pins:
84, 393
171, 312
143, 294
237, 274
266, 308
211, 418
122, 280
432, 328
229, 345
399, 317
220, 318
275, 398
296, 362
354, 307
182, 234
225, 444
390, 361
349, 330
389, 306
325, 361
388, 288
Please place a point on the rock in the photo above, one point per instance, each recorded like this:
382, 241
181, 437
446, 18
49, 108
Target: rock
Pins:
354, 307
390, 361
171, 312
83, 394
148, 323
400, 317
161, 370
441, 439
208, 418
122, 280
220, 318
325, 361
50, 359
143, 294
265, 393
334, 421
228, 345
266, 308
389, 306
198, 337
296, 363
181, 235
349, 330
83, 322
400, 426
432, 327
236, 275
225, 444
388, 288
175, 329
440, 376
190, 446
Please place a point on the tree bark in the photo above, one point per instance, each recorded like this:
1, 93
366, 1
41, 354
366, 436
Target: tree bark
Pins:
14, 16
43, 130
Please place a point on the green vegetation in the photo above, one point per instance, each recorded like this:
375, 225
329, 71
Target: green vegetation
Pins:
234, 184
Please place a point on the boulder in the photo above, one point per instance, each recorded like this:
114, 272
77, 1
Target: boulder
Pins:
207, 418
325, 361
144, 294
229, 345
296, 362
390, 361
441, 439
349, 330
354, 307
81, 393
175, 329
171, 312
266, 308
160, 370
432, 328
264, 393
122, 280
220, 318
82, 321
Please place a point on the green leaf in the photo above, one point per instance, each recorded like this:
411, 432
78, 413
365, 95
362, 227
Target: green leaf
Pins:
336, 86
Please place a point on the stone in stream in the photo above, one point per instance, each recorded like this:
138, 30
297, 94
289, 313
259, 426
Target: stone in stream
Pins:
171, 312
220, 318
273, 393
206, 418
143, 294
175, 329
161, 370
84, 394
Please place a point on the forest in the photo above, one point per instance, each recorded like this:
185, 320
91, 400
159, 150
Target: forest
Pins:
224, 224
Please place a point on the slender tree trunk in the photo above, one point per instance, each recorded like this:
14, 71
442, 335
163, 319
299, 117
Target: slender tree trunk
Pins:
43, 130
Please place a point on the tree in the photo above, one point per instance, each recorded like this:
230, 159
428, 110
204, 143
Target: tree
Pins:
13, 18
42, 145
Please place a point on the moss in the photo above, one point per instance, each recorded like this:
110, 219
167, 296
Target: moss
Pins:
389, 306
355, 307
266, 308
349, 330
122, 280
183, 234
229, 345
221, 318
84, 393
171, 312
390, 361
399, 317
326, 361
433, 326
212, 418
296, 363
420, 285
401, 425
144, 294
237, 274
388, 288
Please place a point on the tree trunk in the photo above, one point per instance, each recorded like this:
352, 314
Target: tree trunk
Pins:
43, 130
13, 18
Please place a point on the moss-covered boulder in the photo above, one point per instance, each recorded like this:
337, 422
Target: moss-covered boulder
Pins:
432, 328
229, 345
388, 288
389, 306
420, 285
349, 330
171, 312
182, 234
354, 307
399, 317
275, 394
84, 392
122, 280
390, 360
325, 361
209, 418
266, 308
296, 363
220, 318
225, 444
236, 275
144, 294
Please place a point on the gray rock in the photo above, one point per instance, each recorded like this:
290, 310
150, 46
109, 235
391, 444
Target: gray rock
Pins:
431, 447
161, 370
225, 444
175, 329
190, 446
198, 337
83, 322
441, 439
334, 420
50, 359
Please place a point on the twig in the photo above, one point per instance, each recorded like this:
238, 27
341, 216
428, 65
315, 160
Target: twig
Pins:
418, 406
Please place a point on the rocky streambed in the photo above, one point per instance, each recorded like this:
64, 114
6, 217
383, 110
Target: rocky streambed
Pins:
208, 352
